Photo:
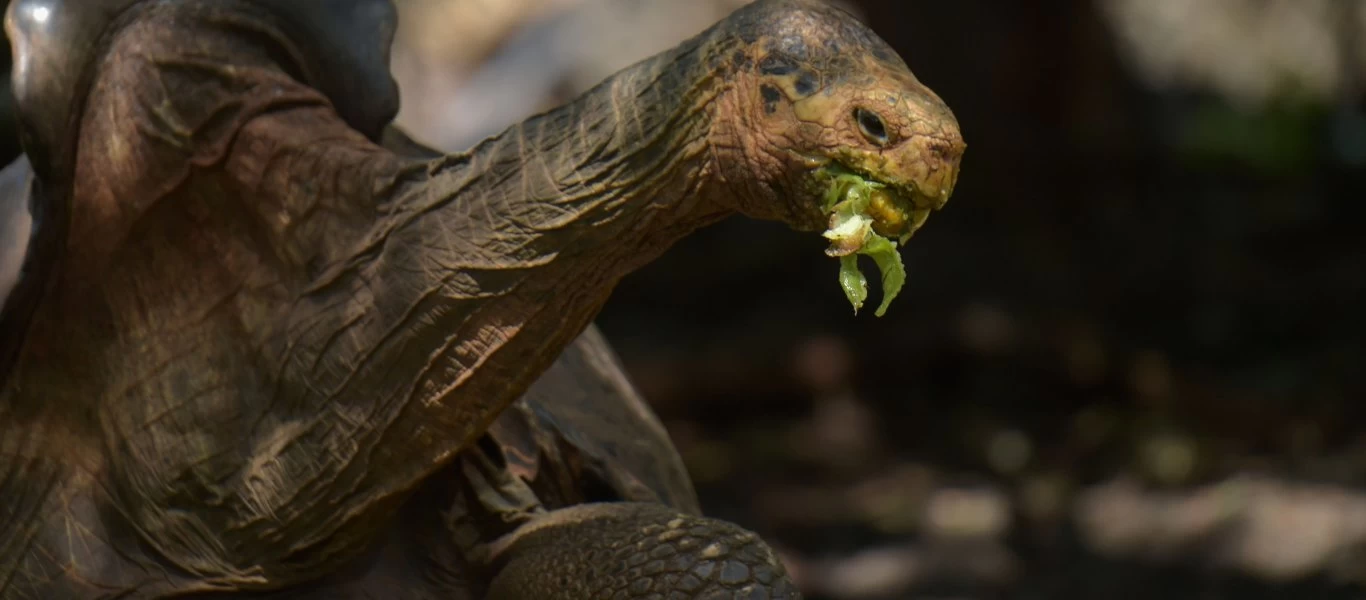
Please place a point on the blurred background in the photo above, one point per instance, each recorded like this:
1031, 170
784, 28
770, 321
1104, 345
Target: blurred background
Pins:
1130, 358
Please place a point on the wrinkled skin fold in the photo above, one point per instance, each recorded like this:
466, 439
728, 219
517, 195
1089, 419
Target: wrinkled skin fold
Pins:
268, 334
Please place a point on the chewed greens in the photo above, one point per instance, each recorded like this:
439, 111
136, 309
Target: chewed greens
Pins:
851, 234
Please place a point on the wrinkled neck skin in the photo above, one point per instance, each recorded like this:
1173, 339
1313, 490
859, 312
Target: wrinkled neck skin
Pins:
500, 256
603, 185
268, 329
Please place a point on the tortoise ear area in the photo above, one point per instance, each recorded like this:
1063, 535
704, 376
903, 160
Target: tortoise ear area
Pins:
783, 79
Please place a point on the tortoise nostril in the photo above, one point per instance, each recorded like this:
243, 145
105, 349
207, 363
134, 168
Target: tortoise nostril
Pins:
945, 149
941, 150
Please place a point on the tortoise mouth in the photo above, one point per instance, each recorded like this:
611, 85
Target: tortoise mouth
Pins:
897, 209
898, 212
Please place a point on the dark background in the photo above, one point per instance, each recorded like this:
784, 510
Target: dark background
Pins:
1126, 363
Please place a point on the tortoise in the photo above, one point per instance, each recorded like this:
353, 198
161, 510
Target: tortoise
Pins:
258, 342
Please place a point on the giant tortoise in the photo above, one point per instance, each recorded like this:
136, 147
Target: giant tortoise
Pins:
259, 343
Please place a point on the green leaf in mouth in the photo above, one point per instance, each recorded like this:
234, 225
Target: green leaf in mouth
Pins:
851, 234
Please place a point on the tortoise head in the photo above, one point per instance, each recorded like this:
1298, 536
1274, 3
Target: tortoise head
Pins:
813, 91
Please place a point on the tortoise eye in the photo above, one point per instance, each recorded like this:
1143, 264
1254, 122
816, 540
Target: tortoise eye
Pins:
872, 126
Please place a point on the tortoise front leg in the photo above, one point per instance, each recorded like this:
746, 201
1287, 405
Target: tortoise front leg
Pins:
637, 551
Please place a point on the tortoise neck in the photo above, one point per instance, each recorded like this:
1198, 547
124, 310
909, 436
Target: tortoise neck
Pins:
626, 162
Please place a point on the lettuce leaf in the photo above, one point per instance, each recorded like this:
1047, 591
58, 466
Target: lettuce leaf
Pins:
851, 235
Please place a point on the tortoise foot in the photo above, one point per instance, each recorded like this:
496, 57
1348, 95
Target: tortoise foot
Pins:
636, 551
